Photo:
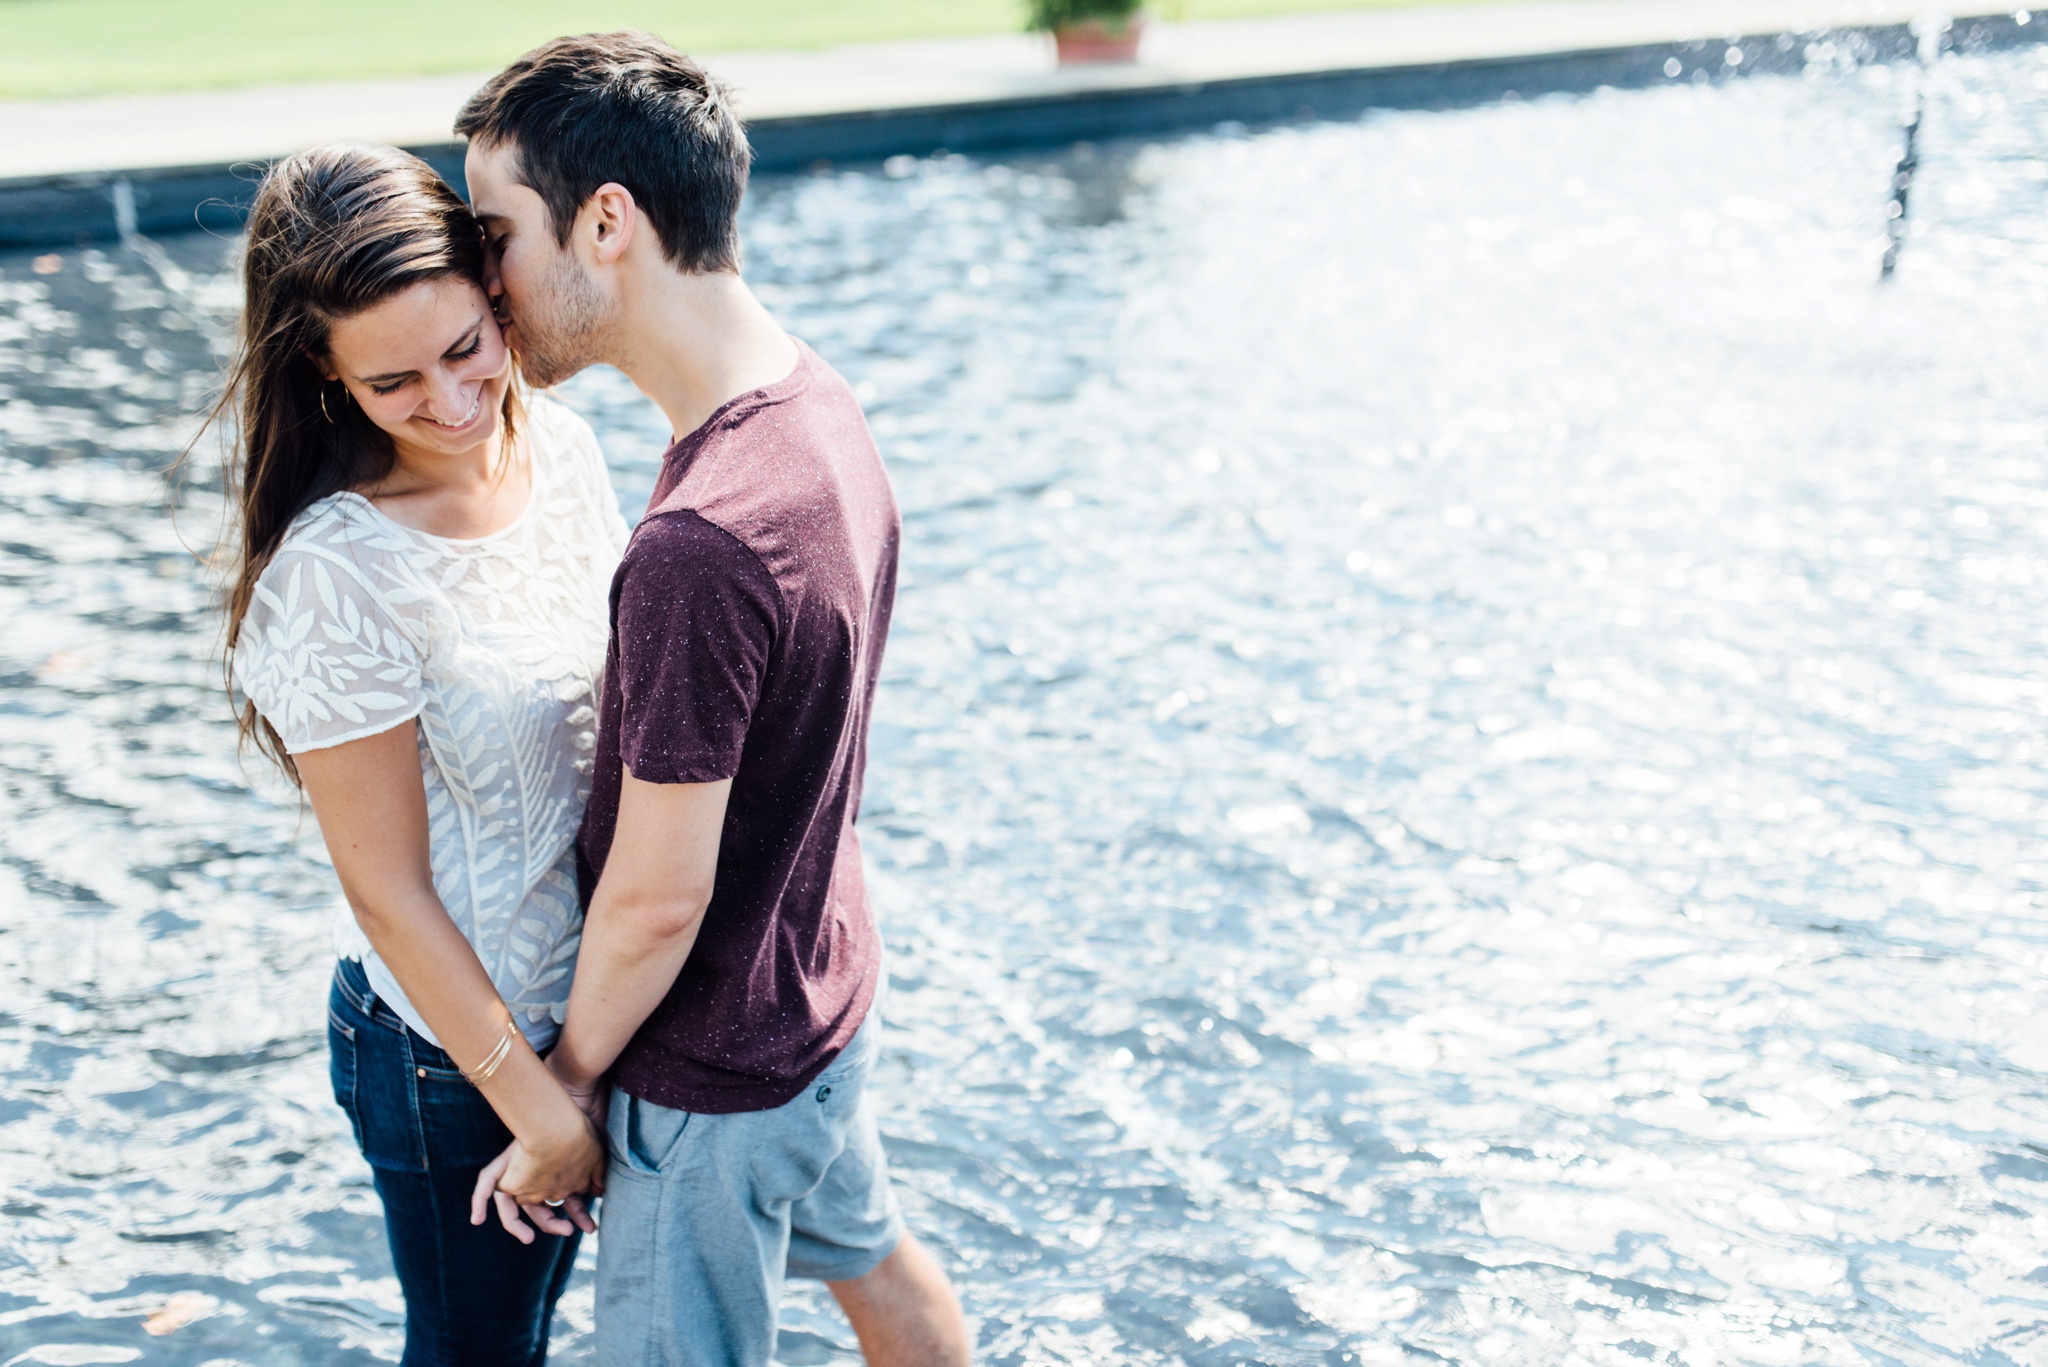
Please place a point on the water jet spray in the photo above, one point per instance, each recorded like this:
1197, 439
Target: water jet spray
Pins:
1928, 29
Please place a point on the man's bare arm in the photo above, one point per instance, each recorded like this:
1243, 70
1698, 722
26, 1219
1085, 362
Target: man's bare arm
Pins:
643, 920
637, 935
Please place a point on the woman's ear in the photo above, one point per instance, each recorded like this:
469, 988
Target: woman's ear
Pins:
325, 366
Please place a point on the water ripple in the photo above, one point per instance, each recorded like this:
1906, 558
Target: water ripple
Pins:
1459, 778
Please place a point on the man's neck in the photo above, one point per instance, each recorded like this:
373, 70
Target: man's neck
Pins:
694, 343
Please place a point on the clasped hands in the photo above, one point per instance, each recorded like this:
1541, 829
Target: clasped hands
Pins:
550, 1183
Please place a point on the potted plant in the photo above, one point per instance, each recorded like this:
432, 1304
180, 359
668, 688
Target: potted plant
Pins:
1091, 30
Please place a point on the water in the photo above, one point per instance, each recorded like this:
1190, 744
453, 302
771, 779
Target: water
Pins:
1459, 777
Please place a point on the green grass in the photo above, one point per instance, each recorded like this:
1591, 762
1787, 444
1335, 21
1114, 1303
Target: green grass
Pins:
51, 48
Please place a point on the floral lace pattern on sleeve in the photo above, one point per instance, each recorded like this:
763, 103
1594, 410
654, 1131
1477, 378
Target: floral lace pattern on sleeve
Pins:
320, 653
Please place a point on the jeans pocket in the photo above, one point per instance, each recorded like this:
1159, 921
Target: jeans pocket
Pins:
384, 1105
341, 1071
641, 1136
458, 1128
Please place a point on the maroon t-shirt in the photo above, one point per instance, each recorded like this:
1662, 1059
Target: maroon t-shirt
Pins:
748, 619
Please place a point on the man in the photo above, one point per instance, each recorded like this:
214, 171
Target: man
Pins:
729, 957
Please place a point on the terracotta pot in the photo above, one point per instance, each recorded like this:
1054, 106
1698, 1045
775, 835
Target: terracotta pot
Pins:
1099, 40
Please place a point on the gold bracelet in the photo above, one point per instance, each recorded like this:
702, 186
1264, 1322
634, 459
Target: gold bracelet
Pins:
481, 1074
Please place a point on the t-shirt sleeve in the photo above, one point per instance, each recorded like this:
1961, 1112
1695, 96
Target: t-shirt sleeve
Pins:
322, 657
697, 614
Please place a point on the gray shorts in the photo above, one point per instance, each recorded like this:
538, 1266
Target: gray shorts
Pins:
705, 1215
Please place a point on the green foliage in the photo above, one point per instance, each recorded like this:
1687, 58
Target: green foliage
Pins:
1052, 14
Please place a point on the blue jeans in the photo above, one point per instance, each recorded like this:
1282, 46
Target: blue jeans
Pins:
474, 1295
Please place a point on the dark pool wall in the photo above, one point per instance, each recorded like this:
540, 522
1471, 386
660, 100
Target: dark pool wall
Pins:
54, 210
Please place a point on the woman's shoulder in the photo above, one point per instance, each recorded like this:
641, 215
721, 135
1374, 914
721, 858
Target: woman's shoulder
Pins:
326, 647
339, 538
558, 430
564, 442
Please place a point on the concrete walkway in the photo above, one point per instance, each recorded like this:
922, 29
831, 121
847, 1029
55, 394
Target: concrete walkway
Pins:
137, 133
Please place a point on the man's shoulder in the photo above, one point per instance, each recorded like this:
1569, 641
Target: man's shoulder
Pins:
670, 531
830, 405
682, 568
809, 418
681, 543
789, 474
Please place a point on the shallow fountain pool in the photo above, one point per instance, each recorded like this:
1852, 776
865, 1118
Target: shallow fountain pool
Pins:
1460, 776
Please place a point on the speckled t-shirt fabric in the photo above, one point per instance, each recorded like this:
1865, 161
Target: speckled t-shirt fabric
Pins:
748, 620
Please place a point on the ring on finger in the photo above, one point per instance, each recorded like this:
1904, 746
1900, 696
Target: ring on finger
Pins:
555, 1204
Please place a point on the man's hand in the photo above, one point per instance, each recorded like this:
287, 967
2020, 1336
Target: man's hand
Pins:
518, 1181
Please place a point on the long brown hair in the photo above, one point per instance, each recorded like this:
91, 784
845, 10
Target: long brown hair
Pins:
333, 232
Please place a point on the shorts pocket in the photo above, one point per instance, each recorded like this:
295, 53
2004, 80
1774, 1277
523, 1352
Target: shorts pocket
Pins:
643, 1137
854, 1061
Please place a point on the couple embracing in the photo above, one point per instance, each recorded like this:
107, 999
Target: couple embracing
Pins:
590, 793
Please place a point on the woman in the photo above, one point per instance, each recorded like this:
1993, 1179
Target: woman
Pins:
416, 621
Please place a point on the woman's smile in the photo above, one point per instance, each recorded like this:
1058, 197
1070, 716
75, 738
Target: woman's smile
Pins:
476, 408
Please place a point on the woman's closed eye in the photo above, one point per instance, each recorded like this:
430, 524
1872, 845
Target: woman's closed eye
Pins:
476, 344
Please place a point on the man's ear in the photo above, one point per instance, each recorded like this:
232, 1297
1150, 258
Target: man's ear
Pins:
610, 218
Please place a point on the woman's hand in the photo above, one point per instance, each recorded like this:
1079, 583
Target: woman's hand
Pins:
592, 1098
521, 1180
567, 1164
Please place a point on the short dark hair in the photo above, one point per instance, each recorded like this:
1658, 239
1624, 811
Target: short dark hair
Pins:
624, 107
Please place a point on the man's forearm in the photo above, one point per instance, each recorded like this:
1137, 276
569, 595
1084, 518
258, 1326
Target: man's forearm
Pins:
643, 919
631, 956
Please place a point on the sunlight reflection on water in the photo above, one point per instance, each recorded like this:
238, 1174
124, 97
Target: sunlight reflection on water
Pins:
1459, 772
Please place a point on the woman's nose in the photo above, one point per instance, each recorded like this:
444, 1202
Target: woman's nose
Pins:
448, 398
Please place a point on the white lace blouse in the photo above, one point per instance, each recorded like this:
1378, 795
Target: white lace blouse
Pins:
494, 645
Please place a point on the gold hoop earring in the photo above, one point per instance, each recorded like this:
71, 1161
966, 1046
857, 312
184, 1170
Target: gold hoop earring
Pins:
323, 406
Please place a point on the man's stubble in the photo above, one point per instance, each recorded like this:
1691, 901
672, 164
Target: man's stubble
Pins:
560, 325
